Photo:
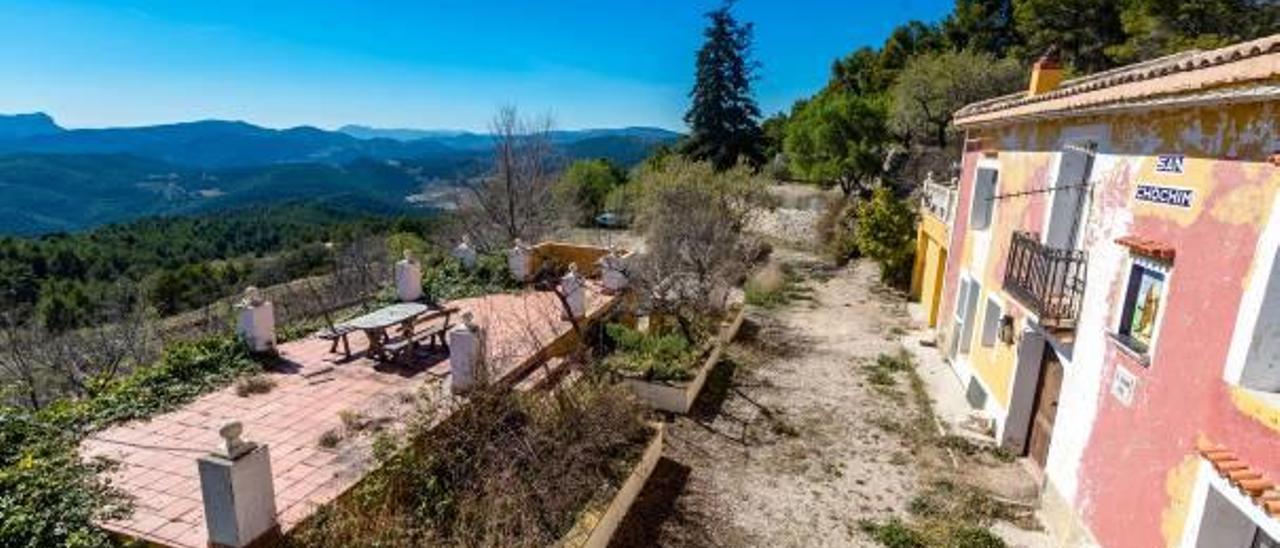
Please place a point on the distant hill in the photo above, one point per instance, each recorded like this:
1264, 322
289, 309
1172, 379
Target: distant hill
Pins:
21, 126
55, 179
61, 193
222, 144
470, 140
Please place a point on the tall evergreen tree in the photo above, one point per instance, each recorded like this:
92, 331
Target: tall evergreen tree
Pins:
723, 115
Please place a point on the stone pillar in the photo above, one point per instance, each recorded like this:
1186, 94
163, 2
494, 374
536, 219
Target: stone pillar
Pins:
408, 278
236, 486
574, 289
465, 254
520, 261
613, 273
466, 355
257, 321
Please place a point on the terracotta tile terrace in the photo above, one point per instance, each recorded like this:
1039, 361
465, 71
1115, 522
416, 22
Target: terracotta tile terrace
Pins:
158, 457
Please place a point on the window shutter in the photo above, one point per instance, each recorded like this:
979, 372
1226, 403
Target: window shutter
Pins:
984, 190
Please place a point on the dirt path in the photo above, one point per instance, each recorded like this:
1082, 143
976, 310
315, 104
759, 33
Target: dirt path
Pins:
808, 435
787, 447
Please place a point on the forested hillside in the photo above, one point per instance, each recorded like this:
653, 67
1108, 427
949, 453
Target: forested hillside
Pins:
178, 263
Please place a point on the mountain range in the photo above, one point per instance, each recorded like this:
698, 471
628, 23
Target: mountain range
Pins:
56, 179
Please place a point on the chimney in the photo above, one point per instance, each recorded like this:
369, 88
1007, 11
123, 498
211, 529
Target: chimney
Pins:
1046, 73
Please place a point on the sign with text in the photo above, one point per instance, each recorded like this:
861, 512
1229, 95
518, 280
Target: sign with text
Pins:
1165, 195
1170, 163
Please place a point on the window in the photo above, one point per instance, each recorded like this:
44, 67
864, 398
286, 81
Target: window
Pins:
1224, 524
970, 305
1143, 303
991, 323
984, 192
1262, 365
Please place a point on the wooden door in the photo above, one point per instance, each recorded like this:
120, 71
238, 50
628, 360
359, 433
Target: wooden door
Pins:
1046, 407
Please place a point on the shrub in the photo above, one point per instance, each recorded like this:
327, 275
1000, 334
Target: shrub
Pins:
836, 230
769, 288
885, 232
584, 188
256, 384
49, 495
444, 278
507, 469
656, 357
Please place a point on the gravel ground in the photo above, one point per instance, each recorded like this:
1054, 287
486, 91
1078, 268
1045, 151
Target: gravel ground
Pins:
782, 449
787, 445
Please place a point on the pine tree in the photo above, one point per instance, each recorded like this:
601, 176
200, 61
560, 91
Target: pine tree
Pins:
722, 116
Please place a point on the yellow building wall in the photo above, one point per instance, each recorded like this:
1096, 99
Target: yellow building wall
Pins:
930, 265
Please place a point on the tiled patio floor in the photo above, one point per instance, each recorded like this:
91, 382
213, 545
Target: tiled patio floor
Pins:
158, 456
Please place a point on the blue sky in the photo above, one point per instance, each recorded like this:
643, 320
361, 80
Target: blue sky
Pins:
425, 64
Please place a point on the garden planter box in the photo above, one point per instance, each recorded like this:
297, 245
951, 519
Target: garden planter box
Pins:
678, 396
596, 526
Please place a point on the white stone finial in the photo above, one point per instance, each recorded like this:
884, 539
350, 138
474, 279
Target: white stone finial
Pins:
469, 320
574, 290
232, 445
252, 296
408, 255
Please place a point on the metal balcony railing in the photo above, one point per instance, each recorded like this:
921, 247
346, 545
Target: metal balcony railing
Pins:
1049, 281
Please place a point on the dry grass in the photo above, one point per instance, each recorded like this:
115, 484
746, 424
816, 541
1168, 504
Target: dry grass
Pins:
504, 470
254, 384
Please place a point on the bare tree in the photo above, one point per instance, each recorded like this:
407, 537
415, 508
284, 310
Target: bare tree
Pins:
516, 200
23, 377
39, 365
696, 250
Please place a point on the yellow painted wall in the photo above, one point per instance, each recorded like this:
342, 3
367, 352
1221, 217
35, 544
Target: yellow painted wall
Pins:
930, 265
995, 363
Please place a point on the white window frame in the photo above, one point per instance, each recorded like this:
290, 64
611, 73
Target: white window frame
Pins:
1166, 269
991, 165
1255, 295
992, 299
964, 346
1207, 478
1086, 195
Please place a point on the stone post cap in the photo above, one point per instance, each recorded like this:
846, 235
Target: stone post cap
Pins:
252, 297
519, 245
408, 255
232, 446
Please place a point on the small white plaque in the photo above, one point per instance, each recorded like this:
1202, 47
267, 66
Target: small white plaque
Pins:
1123, 384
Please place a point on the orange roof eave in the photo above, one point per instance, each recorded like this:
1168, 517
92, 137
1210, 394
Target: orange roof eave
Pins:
1252, 62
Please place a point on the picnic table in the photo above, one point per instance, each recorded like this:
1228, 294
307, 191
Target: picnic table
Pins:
405, 315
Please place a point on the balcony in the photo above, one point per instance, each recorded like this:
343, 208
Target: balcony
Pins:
1048, 281
938, 199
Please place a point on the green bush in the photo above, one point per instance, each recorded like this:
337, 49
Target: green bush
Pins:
49, 495
444, 278
656, 357
586, 185
885, 232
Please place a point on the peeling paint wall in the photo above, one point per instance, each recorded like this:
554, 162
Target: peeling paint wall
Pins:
1123, 467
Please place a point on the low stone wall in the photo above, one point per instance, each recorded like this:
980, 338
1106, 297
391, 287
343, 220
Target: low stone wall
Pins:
586, 256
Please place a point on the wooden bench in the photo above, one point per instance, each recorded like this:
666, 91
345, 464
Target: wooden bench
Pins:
399, 349
335, 334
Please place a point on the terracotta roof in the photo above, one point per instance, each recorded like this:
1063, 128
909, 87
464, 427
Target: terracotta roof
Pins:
1253, 483
1148, 247
1180, 73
